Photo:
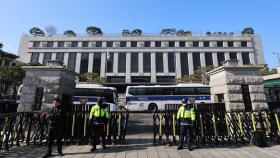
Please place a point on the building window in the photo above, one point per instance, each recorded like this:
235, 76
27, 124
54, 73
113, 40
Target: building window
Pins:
134, 62
184, 64
36, 44
60, 44
74, 44
147, 44
34, 57
232, 56
60, 56
96, 62
98, 43
243, 43
133, 44
71, 61
205, 43
195, 43
122, 62
219, 43
84, 63
159, 62
171, 61
49, 44
109, 44
182, 43
157, 43
221, 58
147, 62
142, 79
171, 44
165, 79
230, 43
208, 59
245, 58
123, 44
110, 60
47, 57
196, 60
85, 44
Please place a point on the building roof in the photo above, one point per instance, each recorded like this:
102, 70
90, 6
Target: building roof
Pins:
7, 55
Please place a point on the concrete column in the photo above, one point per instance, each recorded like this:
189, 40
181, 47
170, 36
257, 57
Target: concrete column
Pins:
41, 57
215, 59
65, 59
165, 62
153, 67
90, 62
177, 44
178, 65
115, 62
200, 44
78, 62
140, 63
103, 64
190, 62
53, 56
252, 58
239, 58
202, 59
227, 56
127, 69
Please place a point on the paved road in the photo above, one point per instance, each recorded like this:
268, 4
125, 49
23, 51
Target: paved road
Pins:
139, 144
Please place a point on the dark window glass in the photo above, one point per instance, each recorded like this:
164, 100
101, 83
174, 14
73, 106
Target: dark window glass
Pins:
122, 62
34, 57
36, 44
245, 58
98, 43
232, 55
243, 43
208, 59
171, 44
96, 62
230, 43
84, 63
134, 62
133, 44
196, 60
184, 91
147, 44
60, 56
47, 57
145, 79
184, 64
109, 44
203, 90
219, 43
171, 61
60, 44
110, 60
221, 58
206, 43
85, 44
72, 61
159, 62
157, 43
74, 44
195, 43
147, 62
165, 79
123, 44
182, 43
106, 93
116, 79
49, 44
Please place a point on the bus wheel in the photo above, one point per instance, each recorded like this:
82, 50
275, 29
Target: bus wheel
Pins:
152, 107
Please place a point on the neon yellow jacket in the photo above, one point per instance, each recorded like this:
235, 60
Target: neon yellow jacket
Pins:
184, 114
98, 112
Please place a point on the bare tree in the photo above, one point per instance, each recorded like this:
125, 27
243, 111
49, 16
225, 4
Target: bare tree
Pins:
51, 30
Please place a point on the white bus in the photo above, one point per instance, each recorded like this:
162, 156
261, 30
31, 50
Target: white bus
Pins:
88, 94
141, 98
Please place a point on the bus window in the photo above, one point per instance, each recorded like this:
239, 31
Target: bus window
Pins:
185, 91
203, 90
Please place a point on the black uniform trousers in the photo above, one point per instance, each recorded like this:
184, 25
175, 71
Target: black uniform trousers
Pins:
185, 131
99, 130
54, 134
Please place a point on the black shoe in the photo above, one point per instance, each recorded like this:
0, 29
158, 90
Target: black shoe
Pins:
190, 148
92, 149
179, 147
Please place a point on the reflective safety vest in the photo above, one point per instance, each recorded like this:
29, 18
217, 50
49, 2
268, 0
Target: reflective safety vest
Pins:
184, 113
98, 112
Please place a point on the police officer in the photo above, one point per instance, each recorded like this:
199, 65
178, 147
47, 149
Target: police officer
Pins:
99, 116
186, 118
55, 120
